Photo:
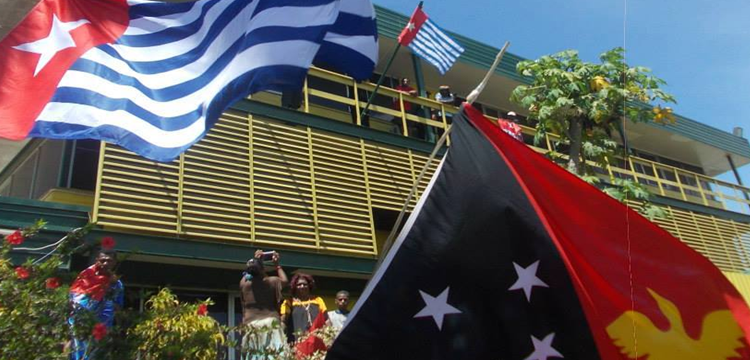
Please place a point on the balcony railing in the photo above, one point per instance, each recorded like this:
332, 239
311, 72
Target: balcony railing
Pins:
339, 97
265, 182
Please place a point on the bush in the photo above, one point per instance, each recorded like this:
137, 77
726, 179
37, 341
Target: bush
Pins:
33, 304
174, 330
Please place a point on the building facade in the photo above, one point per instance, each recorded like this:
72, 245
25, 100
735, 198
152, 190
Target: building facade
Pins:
322, 184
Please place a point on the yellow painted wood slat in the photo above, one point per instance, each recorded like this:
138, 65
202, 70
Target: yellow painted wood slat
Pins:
229, 188
139, 189
148, 220
203, 212
281, 232
189, 227
346, 245
133, 159
141, 176
137, 212
343, 212
108, 224
137, 205
142, 200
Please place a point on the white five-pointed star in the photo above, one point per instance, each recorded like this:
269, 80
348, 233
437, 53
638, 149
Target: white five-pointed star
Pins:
437, 307
527, 279
410, 26
543, 348
58, 39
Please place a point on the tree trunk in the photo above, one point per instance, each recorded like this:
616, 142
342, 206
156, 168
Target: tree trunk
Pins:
574, 133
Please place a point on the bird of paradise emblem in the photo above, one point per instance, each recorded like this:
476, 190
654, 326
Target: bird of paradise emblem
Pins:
719, 337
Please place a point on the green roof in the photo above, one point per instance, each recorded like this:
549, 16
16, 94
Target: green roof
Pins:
710, 135
390, 24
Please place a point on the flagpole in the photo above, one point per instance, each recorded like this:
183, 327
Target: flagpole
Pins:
400, 218
385, 71
470, 99
380, 80
478, 90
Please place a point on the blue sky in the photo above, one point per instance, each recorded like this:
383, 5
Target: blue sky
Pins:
701, 48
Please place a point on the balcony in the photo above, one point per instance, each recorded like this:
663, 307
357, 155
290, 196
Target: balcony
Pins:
275, 181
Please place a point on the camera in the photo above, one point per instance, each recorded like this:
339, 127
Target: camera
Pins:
268, 255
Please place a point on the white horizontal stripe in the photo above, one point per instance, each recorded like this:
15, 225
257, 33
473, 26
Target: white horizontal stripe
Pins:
152, 24
75, 114
425, 42
445, 37
239, 25
356, 43
430, 52
289, 16
253, 58
439, 38
233, 31
428, 58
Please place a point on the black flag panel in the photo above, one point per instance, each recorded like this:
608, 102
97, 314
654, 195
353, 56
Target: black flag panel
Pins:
473, 275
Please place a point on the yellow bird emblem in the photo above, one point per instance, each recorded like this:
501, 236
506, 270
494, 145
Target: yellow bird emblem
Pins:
719, 337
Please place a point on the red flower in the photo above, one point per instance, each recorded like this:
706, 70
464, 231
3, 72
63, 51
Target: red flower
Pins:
22, 272
108, 243
16, 238
99, 331
202, 310
53, 283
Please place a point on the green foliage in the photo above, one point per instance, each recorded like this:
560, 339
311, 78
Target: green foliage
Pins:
584, 103
174, 330
33, 303
34, 311
625, 190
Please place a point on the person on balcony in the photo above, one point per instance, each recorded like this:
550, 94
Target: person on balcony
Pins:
337, 318
416, 130
97, 293
299, 312
260, 296
510, 125
447, 98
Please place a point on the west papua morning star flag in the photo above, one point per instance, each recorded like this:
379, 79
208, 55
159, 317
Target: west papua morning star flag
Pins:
153, 76
429, 42
508, 256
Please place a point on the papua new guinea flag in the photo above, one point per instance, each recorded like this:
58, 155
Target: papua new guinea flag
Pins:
154, 76
508, 256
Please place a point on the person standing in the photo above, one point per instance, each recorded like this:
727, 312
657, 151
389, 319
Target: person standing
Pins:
300, 311
96, 292
337, 318
404, 87
260, 296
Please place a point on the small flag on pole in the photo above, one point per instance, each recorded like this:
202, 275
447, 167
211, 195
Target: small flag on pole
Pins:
154, 76
509, 256
429, 42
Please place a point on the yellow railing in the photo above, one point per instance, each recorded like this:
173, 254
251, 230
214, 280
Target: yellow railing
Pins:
261, 181
264, 182
662, 179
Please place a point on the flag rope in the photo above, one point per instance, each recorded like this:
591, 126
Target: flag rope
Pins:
627, 212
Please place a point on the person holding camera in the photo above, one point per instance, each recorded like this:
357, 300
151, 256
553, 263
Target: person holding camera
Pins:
260, 296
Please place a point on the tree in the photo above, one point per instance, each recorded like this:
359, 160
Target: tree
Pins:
584, 103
